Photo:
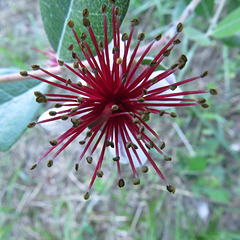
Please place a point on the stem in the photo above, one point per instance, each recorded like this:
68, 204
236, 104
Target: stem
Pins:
169, 34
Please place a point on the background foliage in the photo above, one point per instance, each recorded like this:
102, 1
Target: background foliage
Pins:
205, 145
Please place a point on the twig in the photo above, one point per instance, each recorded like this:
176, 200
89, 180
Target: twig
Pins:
215, 17
184, 139
16, 76
188, 10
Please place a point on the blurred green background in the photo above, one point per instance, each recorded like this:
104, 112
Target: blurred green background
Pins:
205, 144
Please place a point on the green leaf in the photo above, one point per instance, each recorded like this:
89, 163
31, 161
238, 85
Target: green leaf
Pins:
197, 36
197, 163
17, 109
233, 41
56, 13
228, 26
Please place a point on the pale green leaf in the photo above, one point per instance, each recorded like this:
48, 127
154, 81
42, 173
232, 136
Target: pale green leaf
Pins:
17, 109
228, 26
197, 36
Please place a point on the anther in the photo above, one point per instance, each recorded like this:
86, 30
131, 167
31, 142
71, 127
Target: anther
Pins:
162, 145
41, 99
121, 183
86, 22
141, 36
136, 181
73, 110
173, 87
58, 105
76, 122
76, 166
204, 74
213, 91
79, 84
70, 47
139, 136
144, 169
64, 117
82, 142
141, 129
161, 113
158, 37
124, 78
173, 114
134, 22
174, 66
70, 23
74, 55
31, 125
52, 113
82, 45
117, 11
201, 100
33, 166
148, 146
152, 63
89, 159
85, 12
111, 1
136, 120
99, 173
171, 189
133, 145
23, 73
103, 8
124, 37
144, 91
115, 49
205, 105
119, 61
101, 44
128, 144
183, 59
50, 163
86, 196
68, 82
60, 62
141, 100
177, 41
83, 36
151, 144
79, 99
75, 64
179, 27
38, 94
53, 142
116, 159
115, 107
181, 65
95, 70
154, 80
167, 53
89, 134
84, 70
167, 158
35, 67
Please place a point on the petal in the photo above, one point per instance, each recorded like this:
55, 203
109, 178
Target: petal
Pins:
56, 126
165, 82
